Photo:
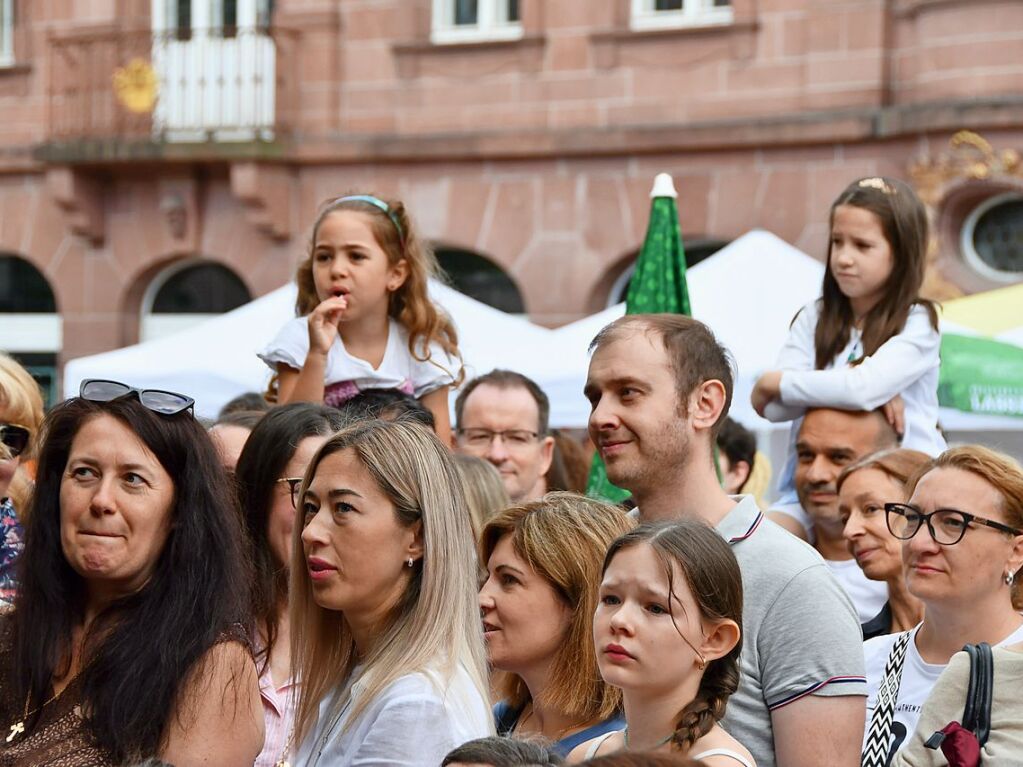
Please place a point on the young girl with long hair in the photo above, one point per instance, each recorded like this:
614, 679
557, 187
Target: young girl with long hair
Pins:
365, 319
870, 340
667, 632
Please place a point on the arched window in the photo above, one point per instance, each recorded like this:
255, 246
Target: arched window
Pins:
478, 277
187, 293
696, 251
32, 329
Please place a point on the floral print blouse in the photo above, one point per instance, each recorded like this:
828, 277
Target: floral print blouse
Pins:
12, 541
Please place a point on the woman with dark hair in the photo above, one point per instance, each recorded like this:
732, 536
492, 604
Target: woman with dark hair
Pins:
269, 471
127, 638
667, 632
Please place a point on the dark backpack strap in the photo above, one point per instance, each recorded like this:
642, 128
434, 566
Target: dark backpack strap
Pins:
985, 689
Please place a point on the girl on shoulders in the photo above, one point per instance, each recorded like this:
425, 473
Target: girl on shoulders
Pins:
870, 341
366, 320
667, 632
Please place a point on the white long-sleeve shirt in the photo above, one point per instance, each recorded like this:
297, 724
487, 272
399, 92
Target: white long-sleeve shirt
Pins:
906, 364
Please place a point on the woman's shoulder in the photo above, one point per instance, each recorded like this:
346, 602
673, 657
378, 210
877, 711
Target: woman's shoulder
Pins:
590, 748
718, 743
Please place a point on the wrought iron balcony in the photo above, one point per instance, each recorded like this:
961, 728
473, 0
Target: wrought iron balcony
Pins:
117, 94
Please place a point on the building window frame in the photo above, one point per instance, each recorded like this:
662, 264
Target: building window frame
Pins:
969, 249
6, 33
492, 23
693, 13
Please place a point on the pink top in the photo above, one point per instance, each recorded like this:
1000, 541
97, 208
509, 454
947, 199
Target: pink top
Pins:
279, 718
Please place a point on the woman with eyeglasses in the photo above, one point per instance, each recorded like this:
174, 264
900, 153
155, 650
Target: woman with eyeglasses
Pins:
962, 550
269, 472
21, 413
127, 638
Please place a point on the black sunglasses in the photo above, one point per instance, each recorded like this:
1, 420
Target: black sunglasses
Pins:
14, 437
157, 400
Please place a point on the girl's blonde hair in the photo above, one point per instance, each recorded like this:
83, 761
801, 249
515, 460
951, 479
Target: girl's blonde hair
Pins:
410, 304
484, 490
436, 625
21, 402
563, 537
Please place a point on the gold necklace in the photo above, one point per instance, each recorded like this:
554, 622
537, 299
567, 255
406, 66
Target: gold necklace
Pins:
19, 727
283, 761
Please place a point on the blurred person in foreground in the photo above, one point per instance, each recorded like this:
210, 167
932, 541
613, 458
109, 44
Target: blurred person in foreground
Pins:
496, 751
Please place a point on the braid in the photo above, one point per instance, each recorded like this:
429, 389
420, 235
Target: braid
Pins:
719, 681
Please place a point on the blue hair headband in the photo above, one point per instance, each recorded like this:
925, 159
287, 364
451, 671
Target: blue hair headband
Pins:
377, 203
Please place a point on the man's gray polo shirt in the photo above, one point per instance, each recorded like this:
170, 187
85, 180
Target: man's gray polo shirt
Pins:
801, 634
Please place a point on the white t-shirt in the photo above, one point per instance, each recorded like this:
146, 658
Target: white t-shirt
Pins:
867, 596
346, 375
905, 364
918, 678
414, 722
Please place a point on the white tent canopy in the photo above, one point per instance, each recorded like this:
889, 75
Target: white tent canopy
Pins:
215, 360
747, 293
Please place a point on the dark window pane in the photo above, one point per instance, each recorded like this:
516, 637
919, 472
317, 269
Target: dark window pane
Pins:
722, 3
466, 12
181, 19
229, 22
201, 289
23, 288
667, 5
42, 366
998, 236
513, 10
480, 278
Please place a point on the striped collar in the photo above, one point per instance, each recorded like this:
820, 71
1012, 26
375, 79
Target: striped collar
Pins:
742, 521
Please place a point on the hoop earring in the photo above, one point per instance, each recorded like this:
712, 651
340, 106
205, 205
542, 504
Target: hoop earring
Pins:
410, 562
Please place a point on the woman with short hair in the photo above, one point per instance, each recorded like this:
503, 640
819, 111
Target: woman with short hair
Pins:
543, 570
127, 640
385, 630
962, 550
864, 487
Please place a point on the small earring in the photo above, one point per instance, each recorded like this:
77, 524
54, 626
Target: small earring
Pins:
1008, 577
411, 561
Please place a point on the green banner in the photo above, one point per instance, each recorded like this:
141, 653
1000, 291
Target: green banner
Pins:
981, 375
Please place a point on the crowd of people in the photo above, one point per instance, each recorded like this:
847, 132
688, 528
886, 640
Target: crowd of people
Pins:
349, 569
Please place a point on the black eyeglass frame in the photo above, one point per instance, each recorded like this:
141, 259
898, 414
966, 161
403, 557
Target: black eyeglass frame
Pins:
13, 429
184, 401
968, 519
294, 483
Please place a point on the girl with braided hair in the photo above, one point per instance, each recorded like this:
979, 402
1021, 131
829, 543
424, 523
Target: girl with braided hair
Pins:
667, 632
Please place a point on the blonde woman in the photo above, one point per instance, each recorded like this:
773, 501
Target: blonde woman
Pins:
21, 414
543, 564
384, 624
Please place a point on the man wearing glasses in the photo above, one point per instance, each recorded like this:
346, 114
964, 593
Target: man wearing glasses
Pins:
502, 418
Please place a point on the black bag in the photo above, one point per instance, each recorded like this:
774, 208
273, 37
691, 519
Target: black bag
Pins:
961, 743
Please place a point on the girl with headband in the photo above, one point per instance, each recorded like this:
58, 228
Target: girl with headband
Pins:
365, 319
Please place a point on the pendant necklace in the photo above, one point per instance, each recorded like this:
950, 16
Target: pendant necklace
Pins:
18, 728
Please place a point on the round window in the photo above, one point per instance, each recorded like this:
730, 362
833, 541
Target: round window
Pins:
992, 238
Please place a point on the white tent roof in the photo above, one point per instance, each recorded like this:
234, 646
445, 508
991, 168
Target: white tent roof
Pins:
747, 293
215, 360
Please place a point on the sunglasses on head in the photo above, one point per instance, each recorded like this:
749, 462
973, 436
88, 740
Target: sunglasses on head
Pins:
14, 437
157, 400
